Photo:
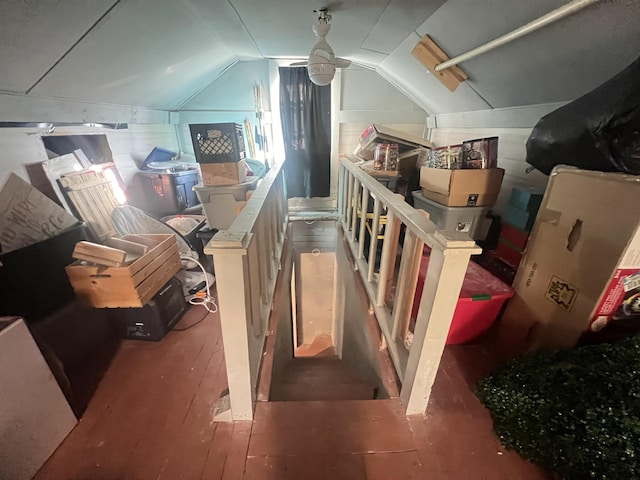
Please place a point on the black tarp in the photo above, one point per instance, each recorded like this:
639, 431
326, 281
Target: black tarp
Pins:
598, 131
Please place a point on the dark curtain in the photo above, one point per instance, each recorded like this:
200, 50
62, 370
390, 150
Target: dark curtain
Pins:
305, 111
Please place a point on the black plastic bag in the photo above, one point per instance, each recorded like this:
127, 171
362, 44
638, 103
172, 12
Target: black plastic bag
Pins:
598, 131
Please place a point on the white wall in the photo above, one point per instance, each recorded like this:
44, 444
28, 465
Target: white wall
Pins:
229, 99
20, 146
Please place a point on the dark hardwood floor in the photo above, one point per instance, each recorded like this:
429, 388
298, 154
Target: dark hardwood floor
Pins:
151, 418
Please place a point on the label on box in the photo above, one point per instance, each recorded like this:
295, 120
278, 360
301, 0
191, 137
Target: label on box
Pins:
561, 293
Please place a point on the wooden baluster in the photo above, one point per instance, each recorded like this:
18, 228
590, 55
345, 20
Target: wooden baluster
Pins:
388, 258
259, 237
340, 192
393, 254
255, 287
354, 208
407, 280
273, 234
363, 220
373, 245
350, 182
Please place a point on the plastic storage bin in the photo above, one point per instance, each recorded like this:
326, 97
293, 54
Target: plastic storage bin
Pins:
222, 204
481, 299
165, 193
458, 219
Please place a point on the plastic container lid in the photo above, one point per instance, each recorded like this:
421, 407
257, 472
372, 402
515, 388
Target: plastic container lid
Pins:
157, 157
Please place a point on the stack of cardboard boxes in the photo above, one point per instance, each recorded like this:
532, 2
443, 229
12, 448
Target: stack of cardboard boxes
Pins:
459, 184
518, 219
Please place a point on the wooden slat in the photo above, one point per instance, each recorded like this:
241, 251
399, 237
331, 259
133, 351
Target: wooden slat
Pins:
100, 254
373, 245
393, 253
354, 205
429, 54
349, 179
388, 258
255, 286
407, 286
363, 221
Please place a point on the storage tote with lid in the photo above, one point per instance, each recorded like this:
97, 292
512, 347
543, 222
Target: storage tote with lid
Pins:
471, 220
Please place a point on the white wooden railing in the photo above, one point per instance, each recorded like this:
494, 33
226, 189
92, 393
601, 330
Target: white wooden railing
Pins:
391, 289
247, 259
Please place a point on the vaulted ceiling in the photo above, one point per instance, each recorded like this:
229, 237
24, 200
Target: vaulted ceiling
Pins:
158, 53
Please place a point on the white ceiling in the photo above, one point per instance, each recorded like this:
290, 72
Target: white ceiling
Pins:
159, 53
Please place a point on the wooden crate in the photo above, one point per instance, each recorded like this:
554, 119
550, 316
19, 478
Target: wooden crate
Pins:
128, 286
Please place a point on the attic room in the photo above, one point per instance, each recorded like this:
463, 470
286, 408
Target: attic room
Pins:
416, 257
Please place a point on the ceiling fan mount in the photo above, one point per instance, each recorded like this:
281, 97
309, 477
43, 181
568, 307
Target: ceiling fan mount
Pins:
322, 62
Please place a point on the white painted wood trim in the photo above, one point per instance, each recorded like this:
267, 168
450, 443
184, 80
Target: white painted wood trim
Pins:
246, 257
513, 117
364, 206
419, 366
233, 302
447, 268
373, 246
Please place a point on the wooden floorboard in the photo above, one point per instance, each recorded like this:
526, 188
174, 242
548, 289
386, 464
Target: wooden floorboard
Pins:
151, 418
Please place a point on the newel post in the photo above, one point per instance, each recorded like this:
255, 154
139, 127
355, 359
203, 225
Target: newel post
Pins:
234, 302
447, 268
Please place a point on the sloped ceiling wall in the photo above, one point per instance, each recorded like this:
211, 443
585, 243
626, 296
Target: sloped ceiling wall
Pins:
160, 53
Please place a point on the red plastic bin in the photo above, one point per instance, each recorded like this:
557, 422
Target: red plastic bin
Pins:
481, 298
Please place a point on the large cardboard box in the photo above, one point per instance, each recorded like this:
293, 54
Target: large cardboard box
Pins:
584, 225
461, 188
216, 174
27, 216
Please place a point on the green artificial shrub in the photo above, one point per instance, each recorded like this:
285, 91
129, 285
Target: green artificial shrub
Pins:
574, 412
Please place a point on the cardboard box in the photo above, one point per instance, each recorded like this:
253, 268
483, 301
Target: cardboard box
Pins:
461, 188
375, 134
621, 298
584, 225
216, 174
28, 216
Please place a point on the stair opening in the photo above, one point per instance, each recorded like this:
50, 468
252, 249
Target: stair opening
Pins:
333, 351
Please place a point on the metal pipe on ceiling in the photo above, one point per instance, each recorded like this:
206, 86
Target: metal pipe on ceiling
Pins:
553, 16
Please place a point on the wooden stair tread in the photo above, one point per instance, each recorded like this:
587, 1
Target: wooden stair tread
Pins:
288, 392
320, 379
318, 370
